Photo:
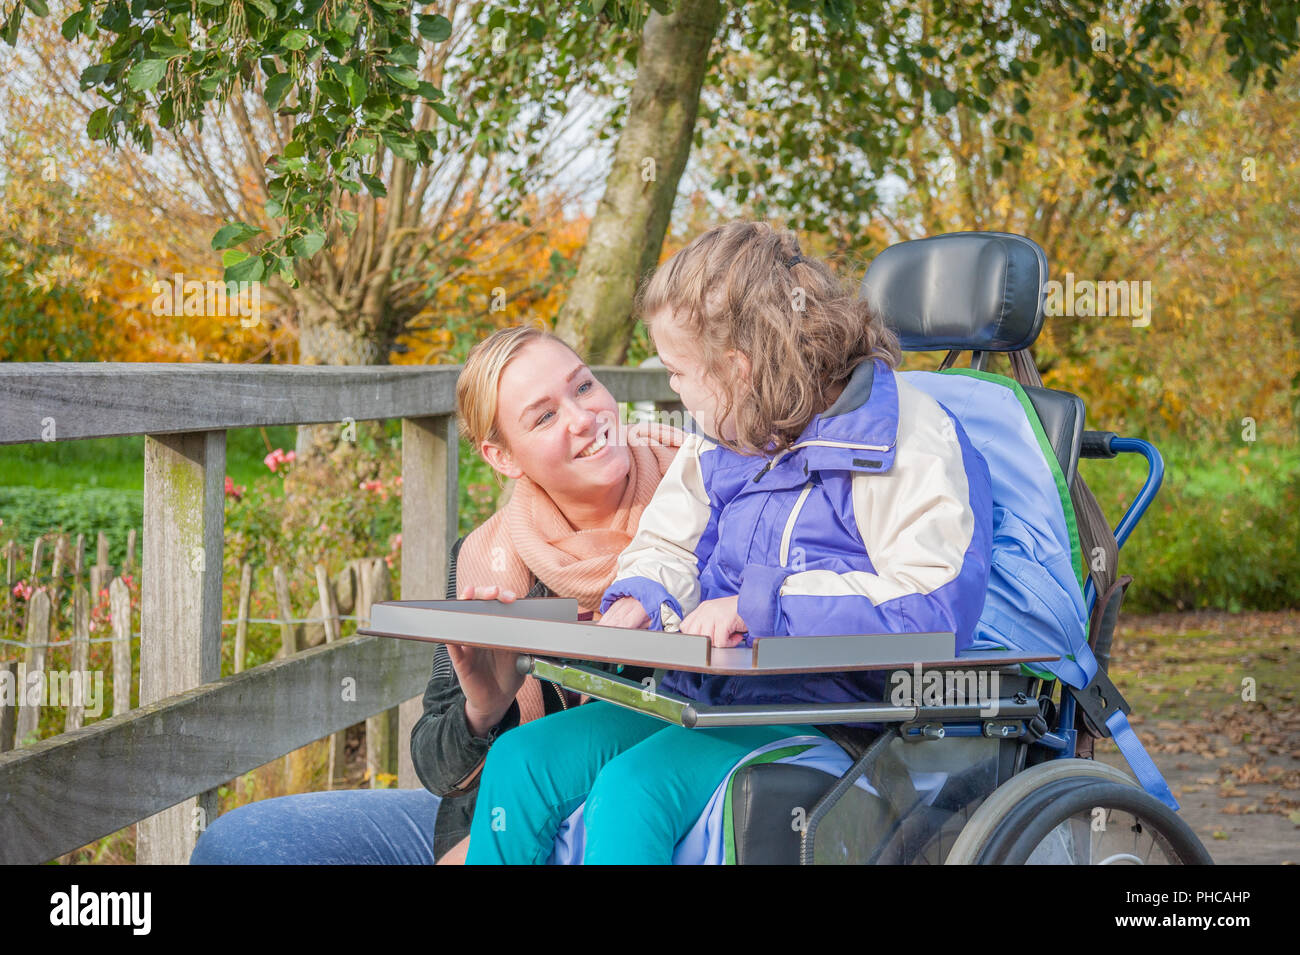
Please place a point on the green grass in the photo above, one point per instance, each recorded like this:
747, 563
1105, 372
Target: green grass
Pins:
118, 463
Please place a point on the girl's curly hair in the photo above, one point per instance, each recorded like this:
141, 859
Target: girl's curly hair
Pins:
745, 287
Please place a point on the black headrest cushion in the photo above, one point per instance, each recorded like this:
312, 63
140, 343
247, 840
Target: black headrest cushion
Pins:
977, 291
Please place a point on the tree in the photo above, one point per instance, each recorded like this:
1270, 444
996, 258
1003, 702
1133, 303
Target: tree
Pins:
326, 130
821, 100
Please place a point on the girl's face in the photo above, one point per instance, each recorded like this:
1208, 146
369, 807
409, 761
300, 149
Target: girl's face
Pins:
700, 393
559, 424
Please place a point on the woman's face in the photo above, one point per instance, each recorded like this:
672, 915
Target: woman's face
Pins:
559, 424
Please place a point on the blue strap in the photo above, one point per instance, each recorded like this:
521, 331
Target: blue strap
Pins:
1131, 749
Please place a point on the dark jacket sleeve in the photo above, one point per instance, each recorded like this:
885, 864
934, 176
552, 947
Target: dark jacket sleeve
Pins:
446, 755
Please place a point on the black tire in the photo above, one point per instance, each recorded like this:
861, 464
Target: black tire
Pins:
1058, 824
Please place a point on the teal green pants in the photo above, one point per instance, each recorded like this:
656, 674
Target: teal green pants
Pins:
645, 783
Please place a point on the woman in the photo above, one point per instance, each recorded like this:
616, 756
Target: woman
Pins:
537, 414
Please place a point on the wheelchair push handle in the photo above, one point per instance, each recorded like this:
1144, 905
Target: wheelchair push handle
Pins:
1097, 444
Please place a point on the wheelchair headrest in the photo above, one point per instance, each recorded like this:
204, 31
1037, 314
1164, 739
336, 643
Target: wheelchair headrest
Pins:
965, 291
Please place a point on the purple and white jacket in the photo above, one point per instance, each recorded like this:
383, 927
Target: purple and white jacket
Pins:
877, 520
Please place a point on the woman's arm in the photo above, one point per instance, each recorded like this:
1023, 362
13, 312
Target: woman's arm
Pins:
446, 752
452, 736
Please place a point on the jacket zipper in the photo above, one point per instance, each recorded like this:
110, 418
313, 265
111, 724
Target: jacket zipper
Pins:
560, 693
789, 524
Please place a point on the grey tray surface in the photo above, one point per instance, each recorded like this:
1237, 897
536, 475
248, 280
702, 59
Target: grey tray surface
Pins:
549, 627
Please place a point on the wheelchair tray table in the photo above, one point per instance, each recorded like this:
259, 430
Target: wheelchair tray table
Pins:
548, 627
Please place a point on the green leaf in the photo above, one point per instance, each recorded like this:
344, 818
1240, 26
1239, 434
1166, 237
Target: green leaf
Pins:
94, 75
402, 147
146, 74
294, 40
374, 185
9, 33
72, 26
265, 7
308, 245
38, 7
942, 99
233, 257
434, 28
97, 125
447, 113
250, 269
233, 234
356, 88
276, 87
403, 76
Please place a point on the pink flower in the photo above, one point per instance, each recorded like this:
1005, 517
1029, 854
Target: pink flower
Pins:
278, 457
234, 490
23, 590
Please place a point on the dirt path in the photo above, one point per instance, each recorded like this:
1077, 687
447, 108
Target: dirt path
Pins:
1214, 699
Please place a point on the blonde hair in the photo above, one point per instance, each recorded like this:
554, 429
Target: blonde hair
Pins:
480, 380
745, 287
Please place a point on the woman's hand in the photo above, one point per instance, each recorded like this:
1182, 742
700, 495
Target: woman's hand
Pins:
626, 612
487, 677
719, 620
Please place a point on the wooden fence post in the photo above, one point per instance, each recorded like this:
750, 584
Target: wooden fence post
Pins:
288, 647
38, 635
9, 711
338, 741
382, 741
180, 640
119, 610
241, 621
430, 504
80, 651
101, 572
38, 554
56, 583
11, 555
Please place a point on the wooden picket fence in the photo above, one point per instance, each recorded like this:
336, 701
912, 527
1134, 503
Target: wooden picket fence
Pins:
159, 763
362, 582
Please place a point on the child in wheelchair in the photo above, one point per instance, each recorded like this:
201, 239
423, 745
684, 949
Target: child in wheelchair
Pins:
822, 493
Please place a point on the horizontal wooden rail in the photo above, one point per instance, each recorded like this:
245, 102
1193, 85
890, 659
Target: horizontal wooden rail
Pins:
59, 401
62, 793
159, 765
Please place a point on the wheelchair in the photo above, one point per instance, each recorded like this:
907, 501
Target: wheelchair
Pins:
1010, 781
931, 776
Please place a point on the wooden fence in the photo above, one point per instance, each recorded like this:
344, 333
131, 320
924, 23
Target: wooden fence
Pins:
159, 764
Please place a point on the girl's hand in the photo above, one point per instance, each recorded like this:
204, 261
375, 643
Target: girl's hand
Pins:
626, 612
719, 620
488, 678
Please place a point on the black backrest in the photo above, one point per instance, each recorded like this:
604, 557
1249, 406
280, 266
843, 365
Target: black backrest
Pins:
964, 291
1061, 414
978, 292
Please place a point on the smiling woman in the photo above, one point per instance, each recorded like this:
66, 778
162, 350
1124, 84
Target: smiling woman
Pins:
536, 413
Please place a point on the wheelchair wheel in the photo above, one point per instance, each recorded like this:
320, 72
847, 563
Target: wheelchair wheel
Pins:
968, 846
1093, 822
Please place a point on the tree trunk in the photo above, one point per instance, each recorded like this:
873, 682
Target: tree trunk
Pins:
326, 337
627, 232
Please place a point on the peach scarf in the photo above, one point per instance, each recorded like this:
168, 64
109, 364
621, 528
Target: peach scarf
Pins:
530, 539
